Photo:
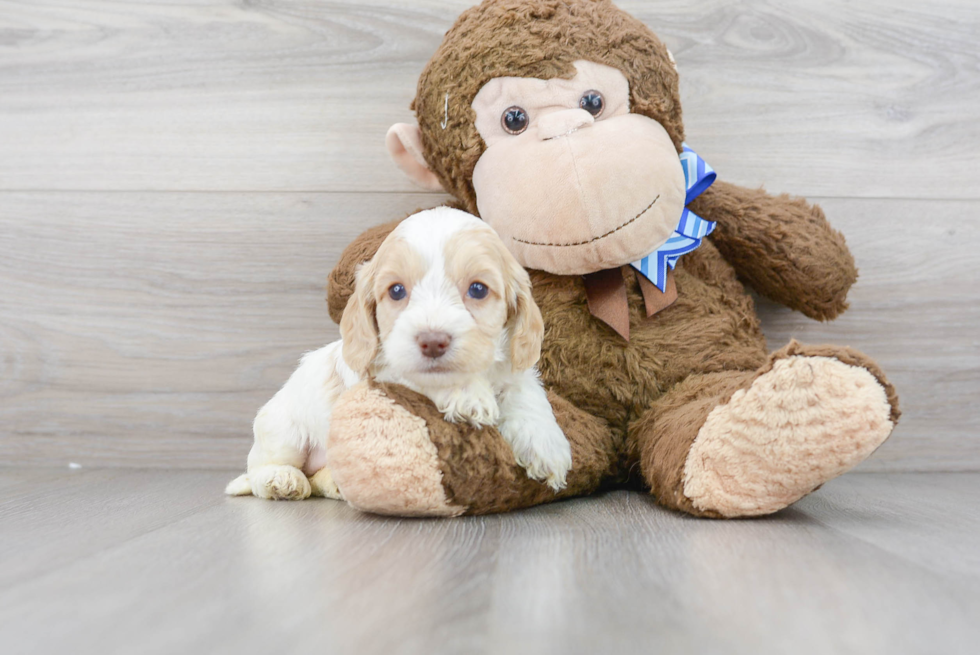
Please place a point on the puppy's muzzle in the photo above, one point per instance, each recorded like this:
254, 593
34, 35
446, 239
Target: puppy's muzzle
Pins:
433, 344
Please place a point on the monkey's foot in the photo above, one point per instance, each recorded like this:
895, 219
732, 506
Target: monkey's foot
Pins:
382, 459
805, 421
391, 451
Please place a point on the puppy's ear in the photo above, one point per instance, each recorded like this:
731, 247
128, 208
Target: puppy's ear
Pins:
359, 325
526, 324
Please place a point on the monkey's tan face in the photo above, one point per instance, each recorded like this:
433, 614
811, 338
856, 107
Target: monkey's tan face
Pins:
570, 179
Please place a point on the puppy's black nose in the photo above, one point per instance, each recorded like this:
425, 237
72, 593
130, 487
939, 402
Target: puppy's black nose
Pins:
433, 344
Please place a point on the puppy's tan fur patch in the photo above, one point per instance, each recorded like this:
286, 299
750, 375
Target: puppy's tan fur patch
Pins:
488, 261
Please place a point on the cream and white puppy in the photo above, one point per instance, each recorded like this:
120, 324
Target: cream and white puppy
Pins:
444, 309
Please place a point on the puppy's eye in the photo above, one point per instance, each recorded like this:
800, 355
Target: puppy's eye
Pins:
592, 102
514, 120
478, 291
397, 291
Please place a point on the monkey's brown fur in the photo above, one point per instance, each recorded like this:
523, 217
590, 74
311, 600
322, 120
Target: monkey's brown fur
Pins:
628, 408
538, 39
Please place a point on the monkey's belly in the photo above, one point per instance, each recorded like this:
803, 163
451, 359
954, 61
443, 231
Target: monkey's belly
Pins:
712, 327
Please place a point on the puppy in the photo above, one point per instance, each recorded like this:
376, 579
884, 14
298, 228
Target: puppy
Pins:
444, 309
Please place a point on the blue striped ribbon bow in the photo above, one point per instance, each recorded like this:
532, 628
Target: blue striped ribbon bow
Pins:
691, 229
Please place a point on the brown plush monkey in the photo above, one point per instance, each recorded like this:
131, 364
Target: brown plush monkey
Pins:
559, 123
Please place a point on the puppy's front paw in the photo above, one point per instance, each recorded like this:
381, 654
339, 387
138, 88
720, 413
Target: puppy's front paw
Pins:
279, 483
541, 448
475, 405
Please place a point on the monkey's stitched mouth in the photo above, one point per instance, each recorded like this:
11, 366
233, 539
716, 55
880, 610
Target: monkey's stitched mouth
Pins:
593, 239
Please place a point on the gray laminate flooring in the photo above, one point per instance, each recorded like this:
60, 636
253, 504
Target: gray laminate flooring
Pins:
150, 561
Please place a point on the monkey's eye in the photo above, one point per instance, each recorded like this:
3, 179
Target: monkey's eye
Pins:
397, 291
514, 120
478, 291
592, 102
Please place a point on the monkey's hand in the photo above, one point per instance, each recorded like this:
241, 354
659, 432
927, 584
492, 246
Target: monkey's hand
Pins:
782, 247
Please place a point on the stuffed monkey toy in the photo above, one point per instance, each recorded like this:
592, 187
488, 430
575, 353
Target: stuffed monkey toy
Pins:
558, 122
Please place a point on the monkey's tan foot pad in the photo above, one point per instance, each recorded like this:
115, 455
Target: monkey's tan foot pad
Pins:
805, 421
381, 457
279, 483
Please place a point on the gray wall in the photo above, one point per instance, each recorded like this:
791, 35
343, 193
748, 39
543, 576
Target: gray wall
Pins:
177, 180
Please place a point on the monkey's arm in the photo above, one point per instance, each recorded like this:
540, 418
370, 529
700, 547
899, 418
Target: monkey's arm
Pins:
782, 247
340, 282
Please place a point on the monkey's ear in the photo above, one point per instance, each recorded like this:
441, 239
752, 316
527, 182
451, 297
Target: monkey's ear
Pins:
404, 144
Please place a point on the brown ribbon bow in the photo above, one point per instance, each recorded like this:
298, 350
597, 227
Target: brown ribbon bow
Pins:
606, 294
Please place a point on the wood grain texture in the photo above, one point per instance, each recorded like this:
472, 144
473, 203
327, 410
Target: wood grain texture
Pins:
176, 179
834, 98
146, 329
915, 309
160, 562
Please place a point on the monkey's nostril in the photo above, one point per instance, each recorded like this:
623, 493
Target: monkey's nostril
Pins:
433, 344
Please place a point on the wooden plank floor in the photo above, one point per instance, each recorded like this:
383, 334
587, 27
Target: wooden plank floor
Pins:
176, 180
123, 561
138, 342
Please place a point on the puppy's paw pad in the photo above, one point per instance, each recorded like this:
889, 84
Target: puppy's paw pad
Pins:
477, 409
551, 473
541, 449
557, 483
280, 483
